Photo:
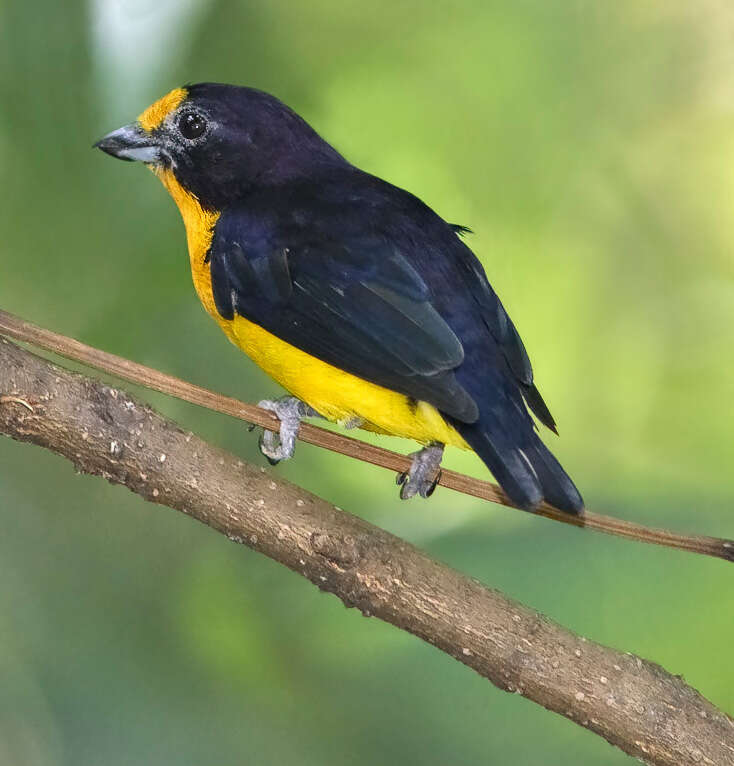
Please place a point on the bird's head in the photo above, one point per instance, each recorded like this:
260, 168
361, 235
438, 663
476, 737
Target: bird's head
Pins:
220, 142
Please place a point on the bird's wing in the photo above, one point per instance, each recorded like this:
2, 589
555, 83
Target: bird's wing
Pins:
354, 302
505, 335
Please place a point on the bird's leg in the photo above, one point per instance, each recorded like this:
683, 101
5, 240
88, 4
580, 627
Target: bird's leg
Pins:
424, 472
290, 411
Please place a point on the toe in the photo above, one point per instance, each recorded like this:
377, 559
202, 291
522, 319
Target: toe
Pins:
429, 487
408, 490
269, 444
282, 445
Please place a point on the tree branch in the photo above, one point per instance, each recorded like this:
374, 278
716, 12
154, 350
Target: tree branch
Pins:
631, 702
19, 329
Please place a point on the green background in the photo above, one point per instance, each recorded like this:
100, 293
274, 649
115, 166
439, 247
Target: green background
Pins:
590, 146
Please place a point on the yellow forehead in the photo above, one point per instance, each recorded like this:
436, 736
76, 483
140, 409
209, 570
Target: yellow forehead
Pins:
154, 115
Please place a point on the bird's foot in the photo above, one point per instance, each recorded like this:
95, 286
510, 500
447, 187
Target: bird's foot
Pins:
423, 474
290, 411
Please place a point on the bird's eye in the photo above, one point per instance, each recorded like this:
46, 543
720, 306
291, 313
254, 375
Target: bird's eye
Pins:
192, 125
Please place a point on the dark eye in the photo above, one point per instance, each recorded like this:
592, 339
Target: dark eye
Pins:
192, 125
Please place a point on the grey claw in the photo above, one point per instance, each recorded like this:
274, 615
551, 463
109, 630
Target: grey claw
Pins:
408, 490
433, 485
289, 410
269, 450
424, 473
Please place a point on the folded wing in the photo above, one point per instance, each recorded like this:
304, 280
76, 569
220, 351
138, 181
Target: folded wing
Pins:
355, 303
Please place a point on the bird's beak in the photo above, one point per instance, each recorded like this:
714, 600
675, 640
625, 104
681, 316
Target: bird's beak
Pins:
131, 143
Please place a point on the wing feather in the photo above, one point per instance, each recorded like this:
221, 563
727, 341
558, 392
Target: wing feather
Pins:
508, 339
357, 304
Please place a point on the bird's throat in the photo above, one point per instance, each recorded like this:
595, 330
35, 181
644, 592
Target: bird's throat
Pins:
199, 225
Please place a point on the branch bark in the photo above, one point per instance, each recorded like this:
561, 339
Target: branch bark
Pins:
19, 329
633, 703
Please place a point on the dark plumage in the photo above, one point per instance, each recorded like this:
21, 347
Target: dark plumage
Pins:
365, 276
362, 275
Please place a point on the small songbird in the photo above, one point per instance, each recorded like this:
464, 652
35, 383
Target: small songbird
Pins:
351, 293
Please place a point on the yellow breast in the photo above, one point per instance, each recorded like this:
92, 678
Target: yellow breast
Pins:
335, 394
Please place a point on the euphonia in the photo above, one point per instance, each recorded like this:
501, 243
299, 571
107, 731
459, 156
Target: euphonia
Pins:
350, 292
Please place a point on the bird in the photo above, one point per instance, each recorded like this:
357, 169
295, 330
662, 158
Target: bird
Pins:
365, 305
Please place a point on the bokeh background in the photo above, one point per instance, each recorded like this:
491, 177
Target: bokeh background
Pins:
591, 148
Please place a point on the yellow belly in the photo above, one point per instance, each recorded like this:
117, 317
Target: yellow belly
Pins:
333, 393
338, 395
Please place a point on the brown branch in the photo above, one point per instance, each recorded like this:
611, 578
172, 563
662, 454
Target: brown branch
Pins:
19, 329
631, 702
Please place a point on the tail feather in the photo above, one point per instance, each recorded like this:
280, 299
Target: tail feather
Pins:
525, 468
537, 404
514, 472
556, 484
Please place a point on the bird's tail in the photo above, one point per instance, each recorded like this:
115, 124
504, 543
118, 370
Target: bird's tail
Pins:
525, 468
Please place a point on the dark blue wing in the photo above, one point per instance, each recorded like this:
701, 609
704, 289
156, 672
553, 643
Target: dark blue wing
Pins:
505, 335
354, 301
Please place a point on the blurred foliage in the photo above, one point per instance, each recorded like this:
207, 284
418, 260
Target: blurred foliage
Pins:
590, 146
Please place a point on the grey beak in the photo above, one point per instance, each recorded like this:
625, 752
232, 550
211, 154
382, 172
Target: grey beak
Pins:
130, 143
